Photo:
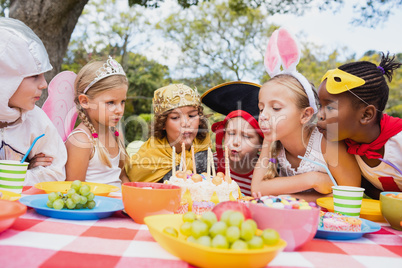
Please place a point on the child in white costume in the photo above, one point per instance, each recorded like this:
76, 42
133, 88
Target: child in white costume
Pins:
23, 61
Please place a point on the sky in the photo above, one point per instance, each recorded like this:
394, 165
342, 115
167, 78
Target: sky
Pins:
336, 31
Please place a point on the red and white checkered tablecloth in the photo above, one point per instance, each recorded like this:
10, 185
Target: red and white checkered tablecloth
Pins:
38, 241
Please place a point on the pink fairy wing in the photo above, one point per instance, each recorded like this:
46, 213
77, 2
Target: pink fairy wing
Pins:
272, 61
60, 106
288, 50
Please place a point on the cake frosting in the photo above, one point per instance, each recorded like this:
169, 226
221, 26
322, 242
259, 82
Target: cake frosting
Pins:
206, 189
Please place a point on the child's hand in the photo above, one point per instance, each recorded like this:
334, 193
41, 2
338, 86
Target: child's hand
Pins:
322, 182
40, 160
256, 194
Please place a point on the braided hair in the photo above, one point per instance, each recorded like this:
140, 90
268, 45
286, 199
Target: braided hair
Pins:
375, 90
85, 76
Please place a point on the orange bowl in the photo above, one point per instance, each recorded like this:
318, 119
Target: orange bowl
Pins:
142, 199
9, 212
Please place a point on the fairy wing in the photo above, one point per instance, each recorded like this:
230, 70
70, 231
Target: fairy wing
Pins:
60, 106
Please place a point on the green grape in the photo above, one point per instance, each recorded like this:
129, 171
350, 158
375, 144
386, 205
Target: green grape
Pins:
85, 190
185, 228
270, 237
191, 239
171, 231
253, 223
255, 243
91, 204
225, 216
52, 196
209, 218
232, 234
204, 240
59, 194
70, 192
239, 245
83, 200
76, 185
218, 228
79, 206
76, 198
58, 204
247, 231
236, 219
49, 204
189, 216
91, 196
70, 203
220, 241
199, 228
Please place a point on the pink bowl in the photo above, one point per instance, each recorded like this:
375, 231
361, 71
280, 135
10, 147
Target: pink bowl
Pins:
295, 226
142, 199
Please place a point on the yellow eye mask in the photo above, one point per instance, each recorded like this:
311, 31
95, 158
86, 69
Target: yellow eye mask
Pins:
339, 81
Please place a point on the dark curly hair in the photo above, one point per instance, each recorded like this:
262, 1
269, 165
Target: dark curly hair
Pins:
160, 121
375, 90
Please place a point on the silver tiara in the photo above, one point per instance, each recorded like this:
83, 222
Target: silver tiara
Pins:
109, 68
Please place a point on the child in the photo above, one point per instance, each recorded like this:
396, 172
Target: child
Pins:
95, 151
23, 62
287, 104
239, 130
179, 119
353, 98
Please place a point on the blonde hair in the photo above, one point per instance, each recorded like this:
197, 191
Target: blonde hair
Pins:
85, 76
302, 102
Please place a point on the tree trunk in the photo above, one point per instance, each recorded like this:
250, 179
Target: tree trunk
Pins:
54, 22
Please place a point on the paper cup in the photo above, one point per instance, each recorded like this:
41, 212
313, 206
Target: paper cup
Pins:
12, 175
348, 200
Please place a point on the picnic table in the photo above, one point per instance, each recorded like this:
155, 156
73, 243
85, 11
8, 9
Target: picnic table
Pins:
117, 241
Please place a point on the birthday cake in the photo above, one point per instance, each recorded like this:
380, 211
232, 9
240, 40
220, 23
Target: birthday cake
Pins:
200, 187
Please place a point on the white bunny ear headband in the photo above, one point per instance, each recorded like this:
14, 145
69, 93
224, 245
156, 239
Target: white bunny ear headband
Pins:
283, 50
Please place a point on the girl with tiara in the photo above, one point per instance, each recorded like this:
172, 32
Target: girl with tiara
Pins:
179, 119
353, 99
287, 104
23, 62
95, 150
239, 131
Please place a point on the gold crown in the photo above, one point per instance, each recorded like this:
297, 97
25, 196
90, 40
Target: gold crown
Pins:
174, 96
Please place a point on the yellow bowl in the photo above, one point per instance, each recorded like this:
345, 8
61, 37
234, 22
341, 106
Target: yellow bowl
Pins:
64, 186
391, 209
7, 195
202, 256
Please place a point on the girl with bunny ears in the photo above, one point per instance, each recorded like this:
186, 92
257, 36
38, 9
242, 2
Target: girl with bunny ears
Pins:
287, 104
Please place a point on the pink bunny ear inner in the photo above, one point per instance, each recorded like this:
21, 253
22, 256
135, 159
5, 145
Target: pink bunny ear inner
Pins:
272, 60
288, 50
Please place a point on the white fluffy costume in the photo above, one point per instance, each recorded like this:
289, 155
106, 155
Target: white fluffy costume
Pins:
22, 54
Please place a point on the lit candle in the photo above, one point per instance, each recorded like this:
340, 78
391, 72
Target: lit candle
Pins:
227, 167
208, 163
193, 156
183, 156
212, 163
173, 161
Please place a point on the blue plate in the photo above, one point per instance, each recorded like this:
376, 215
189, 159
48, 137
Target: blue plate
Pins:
367, 227
105, 207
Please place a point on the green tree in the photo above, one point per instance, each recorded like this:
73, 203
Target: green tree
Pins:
213, 37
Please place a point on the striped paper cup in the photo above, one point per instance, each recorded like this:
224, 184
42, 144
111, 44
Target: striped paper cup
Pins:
348, 200
12, 175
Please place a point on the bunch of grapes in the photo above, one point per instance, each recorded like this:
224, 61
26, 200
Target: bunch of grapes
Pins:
78, 196
231, 232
